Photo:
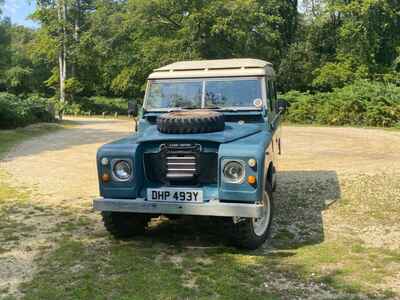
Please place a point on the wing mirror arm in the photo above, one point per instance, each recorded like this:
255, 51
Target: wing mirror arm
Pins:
133, 110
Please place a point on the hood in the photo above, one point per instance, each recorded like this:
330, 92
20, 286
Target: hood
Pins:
232, 132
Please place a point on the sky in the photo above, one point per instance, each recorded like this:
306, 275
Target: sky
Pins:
19, 10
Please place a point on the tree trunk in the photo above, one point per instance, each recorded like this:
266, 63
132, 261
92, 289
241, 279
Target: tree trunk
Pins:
62, 54
77, 24
77, 21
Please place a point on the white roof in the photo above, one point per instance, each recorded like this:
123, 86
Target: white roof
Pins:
215, 64
214, 68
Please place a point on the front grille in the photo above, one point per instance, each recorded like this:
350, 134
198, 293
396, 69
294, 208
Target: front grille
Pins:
181, 167
177, 164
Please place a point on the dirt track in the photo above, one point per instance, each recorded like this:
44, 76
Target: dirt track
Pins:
60, 170
344, 150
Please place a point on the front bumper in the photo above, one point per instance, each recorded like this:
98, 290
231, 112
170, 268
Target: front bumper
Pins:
211, 208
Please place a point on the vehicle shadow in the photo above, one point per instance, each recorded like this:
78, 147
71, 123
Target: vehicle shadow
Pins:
299, 200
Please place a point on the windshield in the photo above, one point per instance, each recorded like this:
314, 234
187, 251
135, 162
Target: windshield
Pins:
204, 93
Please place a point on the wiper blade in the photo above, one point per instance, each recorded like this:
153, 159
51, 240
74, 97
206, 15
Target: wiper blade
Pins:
213, 107
222, 108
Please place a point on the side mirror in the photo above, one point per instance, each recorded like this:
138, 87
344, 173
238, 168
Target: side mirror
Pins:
282, 105
132, 108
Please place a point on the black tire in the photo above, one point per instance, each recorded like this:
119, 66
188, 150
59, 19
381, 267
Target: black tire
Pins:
244, 236
124, 225
274, 179
191, 121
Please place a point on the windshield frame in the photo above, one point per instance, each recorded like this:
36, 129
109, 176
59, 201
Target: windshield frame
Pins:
261, 80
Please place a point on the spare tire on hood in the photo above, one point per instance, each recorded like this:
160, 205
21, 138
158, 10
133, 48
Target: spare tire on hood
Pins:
191, 121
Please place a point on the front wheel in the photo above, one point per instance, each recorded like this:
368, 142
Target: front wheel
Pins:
251, 233
123, 224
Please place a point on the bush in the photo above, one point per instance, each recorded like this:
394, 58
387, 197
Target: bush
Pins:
97, 105
17, 112
363, 103
72, 109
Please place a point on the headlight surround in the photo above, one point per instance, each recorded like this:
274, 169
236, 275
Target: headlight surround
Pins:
122, 170
234, 171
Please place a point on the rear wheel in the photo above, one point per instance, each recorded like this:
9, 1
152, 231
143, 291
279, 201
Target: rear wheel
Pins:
123, 224
251, 233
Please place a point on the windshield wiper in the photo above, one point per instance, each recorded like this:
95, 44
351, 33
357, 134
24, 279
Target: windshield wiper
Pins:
213, 107
223, 108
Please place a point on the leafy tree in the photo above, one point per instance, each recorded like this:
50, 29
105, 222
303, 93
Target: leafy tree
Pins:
18, 79
297, 67
58, 41
354, 39
5, 41
108, 47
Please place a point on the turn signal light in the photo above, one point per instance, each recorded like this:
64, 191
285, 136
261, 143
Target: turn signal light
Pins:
252, 180
105, 177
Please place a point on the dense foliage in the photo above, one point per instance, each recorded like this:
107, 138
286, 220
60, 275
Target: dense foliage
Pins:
21, 111
98, 105
107, 48
363, 103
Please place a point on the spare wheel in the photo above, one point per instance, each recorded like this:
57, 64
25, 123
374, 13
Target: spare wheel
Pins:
191, 121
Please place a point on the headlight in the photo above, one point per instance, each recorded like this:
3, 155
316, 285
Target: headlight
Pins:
234, 171
122, 170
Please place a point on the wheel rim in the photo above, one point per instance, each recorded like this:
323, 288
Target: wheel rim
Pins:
260, 225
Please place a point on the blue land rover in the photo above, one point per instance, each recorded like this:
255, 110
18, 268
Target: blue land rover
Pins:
207, 143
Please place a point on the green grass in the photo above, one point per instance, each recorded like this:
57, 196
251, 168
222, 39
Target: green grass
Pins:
6, 191
342, 264
169, 264
14, 200
84, 269
190, 259
11, 201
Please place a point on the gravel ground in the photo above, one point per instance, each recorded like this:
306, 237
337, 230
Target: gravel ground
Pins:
59, 170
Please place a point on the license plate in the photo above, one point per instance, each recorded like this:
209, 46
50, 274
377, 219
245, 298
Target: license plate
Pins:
175, 195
